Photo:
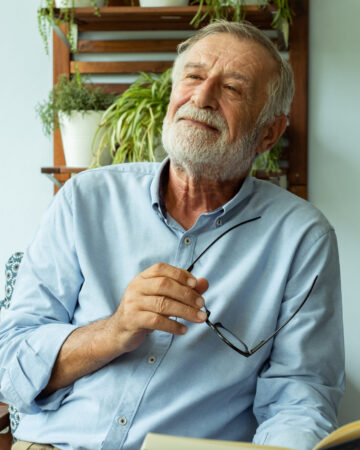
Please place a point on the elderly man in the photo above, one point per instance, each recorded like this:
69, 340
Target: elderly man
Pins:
110, 334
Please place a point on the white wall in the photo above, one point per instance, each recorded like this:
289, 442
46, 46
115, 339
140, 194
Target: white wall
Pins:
25, 79
334, 160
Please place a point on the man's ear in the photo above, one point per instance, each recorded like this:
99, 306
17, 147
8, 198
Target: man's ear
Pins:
271, 134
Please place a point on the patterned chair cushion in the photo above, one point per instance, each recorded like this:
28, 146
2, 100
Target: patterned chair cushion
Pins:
11, 271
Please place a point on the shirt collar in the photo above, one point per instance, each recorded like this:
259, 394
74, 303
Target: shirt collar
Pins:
157, 191
242, 197
157, 188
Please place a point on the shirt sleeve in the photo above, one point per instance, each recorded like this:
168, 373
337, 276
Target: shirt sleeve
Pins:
39, 319
299, 388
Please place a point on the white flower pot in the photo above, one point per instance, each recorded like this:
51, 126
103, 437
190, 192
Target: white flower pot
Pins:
78, 3
162, 3
77, 134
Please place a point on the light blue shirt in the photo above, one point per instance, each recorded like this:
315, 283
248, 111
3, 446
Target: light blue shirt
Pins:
107, 225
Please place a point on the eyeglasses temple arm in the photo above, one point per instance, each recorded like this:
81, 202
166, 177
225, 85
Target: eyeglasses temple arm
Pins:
190, 268
261, 343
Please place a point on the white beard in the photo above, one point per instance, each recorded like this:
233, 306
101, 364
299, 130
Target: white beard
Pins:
204, 153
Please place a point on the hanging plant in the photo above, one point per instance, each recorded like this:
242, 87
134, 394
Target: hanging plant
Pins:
47, 19
217, 9
283, 11
223, 9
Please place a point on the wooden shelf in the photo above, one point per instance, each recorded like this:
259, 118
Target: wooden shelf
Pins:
4, 416
137, 46
62, 170
129, 18
134, 18
125, 67
60, 174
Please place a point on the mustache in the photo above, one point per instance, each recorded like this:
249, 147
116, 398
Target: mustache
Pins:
211, 118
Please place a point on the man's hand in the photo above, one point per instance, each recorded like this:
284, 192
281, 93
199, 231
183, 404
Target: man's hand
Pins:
153, 300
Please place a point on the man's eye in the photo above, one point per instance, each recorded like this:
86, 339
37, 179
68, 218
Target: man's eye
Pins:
193, 76
230, 88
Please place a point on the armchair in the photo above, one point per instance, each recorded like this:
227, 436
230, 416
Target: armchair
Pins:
6, 437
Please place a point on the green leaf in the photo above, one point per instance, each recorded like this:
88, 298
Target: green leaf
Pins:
134, 120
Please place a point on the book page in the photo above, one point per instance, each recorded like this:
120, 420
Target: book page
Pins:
342, 434
155, 441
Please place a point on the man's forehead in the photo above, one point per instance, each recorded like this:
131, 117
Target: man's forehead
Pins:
233, 54
232, 73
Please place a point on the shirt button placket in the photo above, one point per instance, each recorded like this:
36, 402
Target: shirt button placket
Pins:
185, 250
122, 421
187, 240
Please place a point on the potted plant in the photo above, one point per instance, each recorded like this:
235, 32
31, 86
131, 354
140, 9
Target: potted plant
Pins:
220, 9
76, 107
131, 127
47, 18
267, 164
269, 160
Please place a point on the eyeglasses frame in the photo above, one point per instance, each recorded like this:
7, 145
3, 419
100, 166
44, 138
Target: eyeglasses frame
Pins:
216, 326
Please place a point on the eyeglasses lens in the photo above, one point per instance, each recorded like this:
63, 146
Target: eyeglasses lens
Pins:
228, 336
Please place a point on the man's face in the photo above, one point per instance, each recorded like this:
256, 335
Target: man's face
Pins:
217, 99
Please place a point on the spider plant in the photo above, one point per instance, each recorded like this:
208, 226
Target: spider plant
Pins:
132, 125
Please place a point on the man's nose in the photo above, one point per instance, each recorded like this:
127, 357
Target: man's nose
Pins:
205, 95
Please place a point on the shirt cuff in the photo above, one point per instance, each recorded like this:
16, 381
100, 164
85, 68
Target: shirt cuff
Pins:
32, 367
53, 401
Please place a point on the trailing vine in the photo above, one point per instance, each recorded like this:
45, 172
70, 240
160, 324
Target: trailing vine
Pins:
223, 9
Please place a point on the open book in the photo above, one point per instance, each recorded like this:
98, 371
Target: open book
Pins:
344, 438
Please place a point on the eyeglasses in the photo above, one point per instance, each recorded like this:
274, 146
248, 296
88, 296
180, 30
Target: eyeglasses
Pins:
224, 333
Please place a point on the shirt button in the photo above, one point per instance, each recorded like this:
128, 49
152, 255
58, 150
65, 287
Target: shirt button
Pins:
218, 222
122, 421
187, 241
151, 359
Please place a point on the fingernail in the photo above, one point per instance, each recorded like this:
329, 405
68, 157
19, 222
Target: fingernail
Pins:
202, 315
200, 302
191, 282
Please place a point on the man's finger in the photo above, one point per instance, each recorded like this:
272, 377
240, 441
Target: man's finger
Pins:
158, 322
182, 276
168, 287
169, 307
201, 285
